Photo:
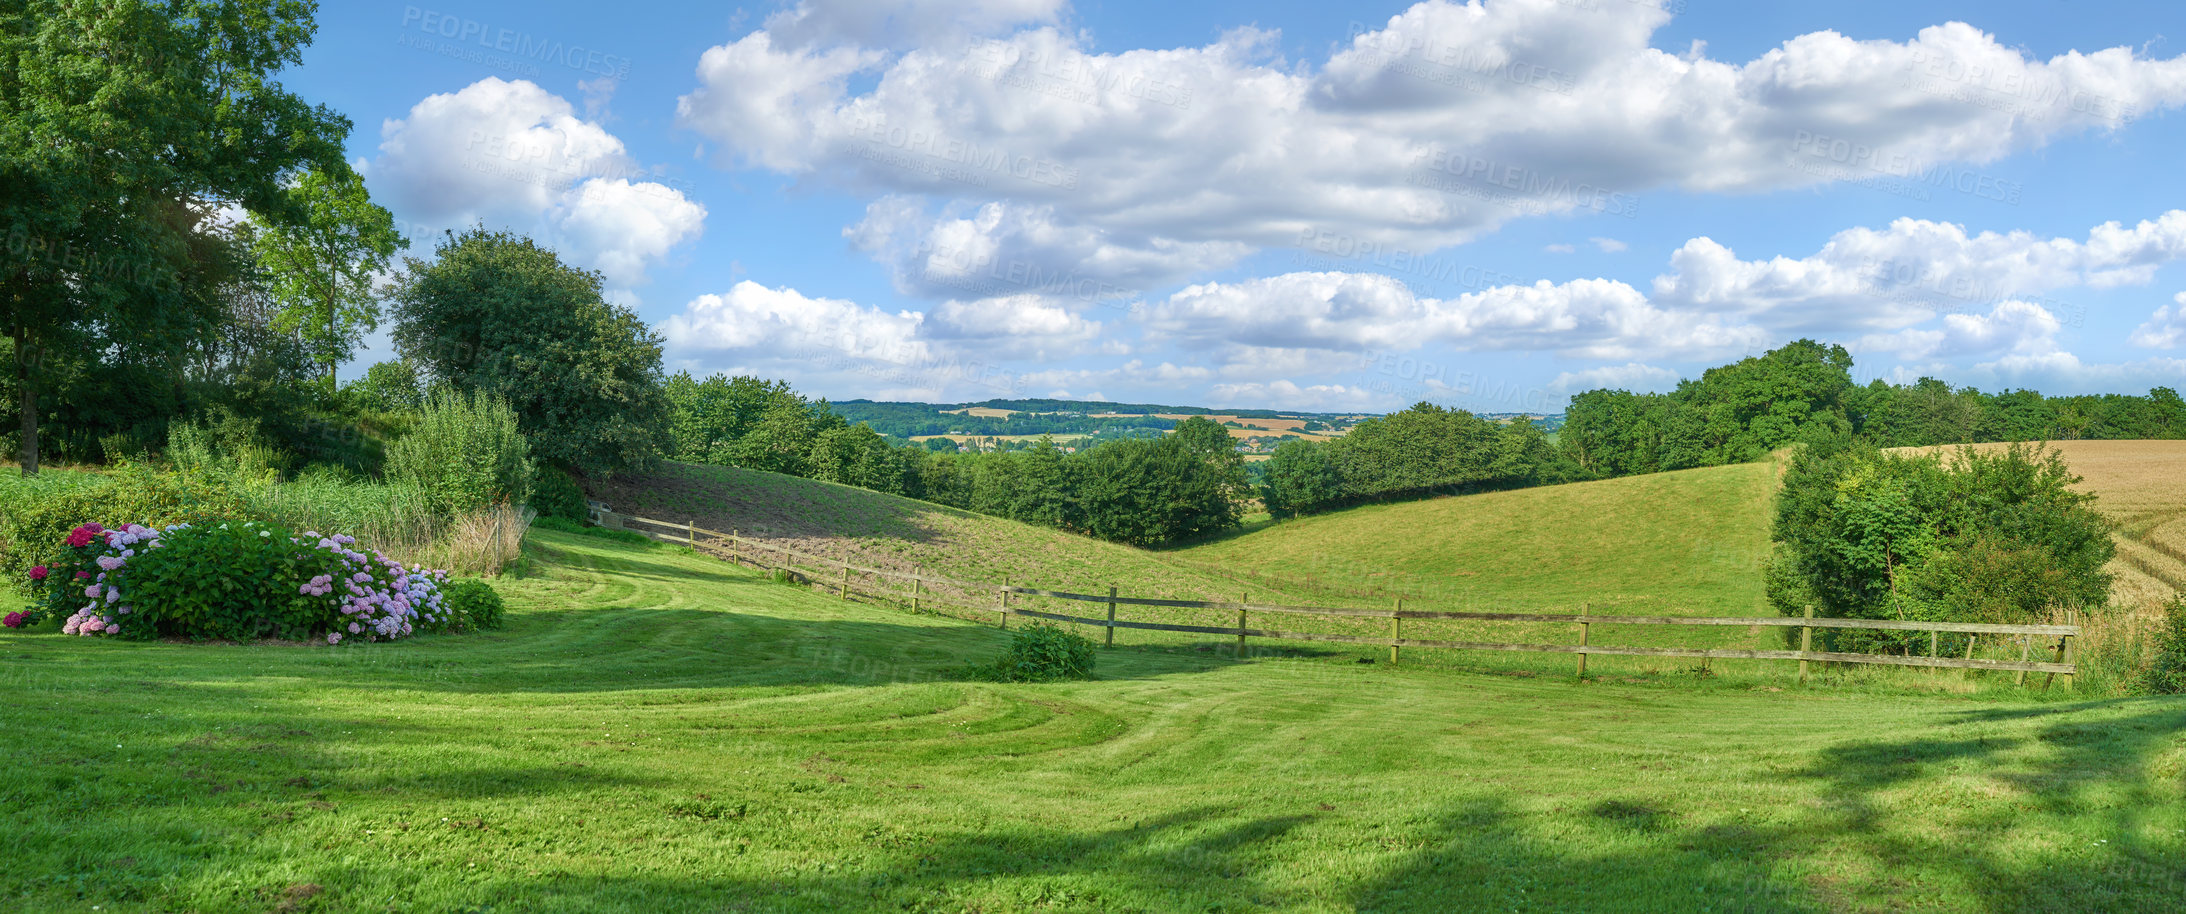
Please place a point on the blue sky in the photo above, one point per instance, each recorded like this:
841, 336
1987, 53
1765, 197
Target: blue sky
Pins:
1312, 206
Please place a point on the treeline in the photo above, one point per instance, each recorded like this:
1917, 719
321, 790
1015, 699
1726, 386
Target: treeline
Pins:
1142, 491
1424, 450
1740, 412
915, 420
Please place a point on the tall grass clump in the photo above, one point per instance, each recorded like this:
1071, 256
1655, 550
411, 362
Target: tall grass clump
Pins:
465, 454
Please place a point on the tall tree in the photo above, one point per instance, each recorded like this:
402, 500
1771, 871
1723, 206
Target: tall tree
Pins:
322, 264
114, 118
496, 312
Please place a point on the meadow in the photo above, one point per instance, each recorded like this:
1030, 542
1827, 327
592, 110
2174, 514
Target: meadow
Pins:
660, 731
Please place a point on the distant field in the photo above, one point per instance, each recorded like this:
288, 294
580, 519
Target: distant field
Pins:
1062, 438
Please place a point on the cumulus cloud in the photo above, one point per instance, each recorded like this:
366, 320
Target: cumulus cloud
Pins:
1442, 124
756, 322
1003, 249
513, 154
905, 23
1628, 376
1360, 312
1865, 278
2165, 329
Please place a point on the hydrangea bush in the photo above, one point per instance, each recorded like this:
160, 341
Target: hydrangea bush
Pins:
236, 580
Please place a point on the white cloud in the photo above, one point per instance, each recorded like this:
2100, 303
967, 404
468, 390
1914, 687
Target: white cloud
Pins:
905, 23
1608, 245
1632, 376
1360, 312
1000, 249
1907, 273
2018, 330
758, 323
513, 154
1289, 395
1561, 249
1442, 125
2165, 329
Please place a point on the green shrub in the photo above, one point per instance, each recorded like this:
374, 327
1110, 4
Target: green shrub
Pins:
40, 511
1043, 653
555, 494
465, 453
2166, 674
1996, 536
234, 581
471, 605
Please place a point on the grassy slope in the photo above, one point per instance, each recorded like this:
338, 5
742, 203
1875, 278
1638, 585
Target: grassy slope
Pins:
660, 732
1686, 543
903, 534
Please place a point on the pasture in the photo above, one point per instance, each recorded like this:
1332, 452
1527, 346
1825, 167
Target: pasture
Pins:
659, 731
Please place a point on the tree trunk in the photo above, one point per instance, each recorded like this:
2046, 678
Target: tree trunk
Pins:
30, 401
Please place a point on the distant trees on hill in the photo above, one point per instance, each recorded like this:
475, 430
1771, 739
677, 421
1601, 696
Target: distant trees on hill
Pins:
1142, 491
1419, 451
1742, 411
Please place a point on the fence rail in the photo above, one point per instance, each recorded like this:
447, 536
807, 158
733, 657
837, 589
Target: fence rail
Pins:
732, 546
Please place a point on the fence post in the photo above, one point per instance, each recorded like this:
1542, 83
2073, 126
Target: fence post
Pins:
917, 584
845, 594
1241, 599
690, 530
2070, 651
1806, 644
2026, 651
1111, 616
1585, 631
1003, 616
1396, 631
1932, 654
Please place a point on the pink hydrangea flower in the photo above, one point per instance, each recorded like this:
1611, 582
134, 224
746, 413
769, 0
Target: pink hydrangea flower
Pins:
14, 620
38, 573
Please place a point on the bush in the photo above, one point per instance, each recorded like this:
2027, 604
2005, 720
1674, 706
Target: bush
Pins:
236, 580
1988, 536
555, 494
475, 604
1043, 653
41, 511
465, 453
2166, 674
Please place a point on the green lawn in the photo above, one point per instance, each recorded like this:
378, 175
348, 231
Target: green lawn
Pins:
659, 732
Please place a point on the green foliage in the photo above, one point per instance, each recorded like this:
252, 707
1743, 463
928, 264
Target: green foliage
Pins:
498, 314
388, 386
554, 494
1984, 537
2166, 673
40, 513
235, 581
471, 605
321, 263
465, 453
117, 121
1424, 450
1043, 653
1300, 478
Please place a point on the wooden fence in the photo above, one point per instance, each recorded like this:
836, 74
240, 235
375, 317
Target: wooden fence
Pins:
920, 597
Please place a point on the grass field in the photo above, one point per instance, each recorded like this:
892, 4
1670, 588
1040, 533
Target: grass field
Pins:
661, 732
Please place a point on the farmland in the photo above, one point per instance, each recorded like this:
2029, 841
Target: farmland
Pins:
657, 731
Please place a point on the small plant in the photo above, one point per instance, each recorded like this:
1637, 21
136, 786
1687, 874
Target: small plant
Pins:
465, 454
2166, 673
471, 605
1043, 653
